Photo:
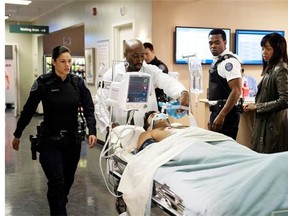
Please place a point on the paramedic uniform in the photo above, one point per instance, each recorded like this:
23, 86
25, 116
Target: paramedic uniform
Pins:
171, 87
60, 144
224, 68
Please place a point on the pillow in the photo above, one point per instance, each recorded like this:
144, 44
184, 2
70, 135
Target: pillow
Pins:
126, 136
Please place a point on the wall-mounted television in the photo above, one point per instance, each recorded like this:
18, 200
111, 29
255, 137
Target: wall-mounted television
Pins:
247, 45
191, 40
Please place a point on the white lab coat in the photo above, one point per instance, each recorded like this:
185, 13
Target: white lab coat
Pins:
171, 87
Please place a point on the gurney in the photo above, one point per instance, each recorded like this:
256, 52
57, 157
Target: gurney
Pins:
197, 172
123, 143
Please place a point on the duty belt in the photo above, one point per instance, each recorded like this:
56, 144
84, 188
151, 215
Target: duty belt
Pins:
220, 104
60, 133
65, 133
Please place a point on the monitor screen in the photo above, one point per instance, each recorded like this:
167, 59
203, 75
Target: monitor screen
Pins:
138, 89
191, 40
247, 45
131, 92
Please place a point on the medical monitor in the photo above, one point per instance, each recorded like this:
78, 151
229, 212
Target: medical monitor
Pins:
195, 40
132, 92
247, 45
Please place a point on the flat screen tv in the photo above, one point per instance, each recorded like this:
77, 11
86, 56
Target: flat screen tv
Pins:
247, 45
191, 40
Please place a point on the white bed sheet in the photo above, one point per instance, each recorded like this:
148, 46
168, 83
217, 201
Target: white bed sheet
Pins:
214, 176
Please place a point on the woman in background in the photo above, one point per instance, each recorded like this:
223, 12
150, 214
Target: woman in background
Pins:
270, 132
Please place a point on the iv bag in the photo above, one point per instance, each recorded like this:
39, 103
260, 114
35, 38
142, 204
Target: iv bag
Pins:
196, 75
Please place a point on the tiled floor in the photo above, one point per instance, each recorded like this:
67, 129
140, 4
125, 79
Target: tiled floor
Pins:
26, 185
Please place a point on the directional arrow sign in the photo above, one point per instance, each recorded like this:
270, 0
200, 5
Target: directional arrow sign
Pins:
29, 29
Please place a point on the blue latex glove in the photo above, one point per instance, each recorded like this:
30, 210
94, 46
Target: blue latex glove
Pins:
172, 108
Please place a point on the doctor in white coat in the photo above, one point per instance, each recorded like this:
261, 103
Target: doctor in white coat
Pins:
134, 54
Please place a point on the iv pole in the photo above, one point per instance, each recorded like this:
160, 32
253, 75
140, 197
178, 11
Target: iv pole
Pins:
195, 75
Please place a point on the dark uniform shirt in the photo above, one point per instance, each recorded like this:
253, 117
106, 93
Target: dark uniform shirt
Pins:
61, 101
160, 95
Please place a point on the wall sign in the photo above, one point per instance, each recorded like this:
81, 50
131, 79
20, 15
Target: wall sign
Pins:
29, 29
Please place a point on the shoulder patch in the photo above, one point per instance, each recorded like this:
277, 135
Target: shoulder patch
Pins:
228, 66
162, 67
34, 86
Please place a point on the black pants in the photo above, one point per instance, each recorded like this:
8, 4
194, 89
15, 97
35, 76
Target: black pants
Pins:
59, 157
230, 127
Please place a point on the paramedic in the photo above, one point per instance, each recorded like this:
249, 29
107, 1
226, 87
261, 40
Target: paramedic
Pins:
270, 132
225, 84
134, 53
150, 58
61, 94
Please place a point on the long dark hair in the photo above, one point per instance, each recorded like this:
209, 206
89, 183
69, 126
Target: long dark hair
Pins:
57, 51
278, 43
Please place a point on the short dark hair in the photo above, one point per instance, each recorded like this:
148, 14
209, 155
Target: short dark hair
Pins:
148, 45
218, 31
146, 116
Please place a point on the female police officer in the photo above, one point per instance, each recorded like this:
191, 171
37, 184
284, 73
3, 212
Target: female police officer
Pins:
62, 94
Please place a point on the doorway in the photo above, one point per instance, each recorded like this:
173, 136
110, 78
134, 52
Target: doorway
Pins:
11, 78
121, 32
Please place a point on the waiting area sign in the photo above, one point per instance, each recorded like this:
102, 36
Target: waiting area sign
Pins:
29, 29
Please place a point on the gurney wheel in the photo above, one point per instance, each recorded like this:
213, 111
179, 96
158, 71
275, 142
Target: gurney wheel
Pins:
120, 205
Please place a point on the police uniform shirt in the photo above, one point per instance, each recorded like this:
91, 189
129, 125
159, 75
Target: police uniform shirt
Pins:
230, 68
60, 103
160, 95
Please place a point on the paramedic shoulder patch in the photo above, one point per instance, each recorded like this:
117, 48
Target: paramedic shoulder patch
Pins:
229, 66
34, 86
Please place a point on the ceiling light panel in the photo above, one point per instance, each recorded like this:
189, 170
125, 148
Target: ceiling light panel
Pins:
19, 2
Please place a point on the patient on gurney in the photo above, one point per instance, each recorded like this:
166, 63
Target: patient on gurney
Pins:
157, 128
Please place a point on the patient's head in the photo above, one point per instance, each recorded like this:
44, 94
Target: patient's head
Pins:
146, 116
155, 118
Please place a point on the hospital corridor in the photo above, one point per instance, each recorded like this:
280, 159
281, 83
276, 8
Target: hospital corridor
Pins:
26, 185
